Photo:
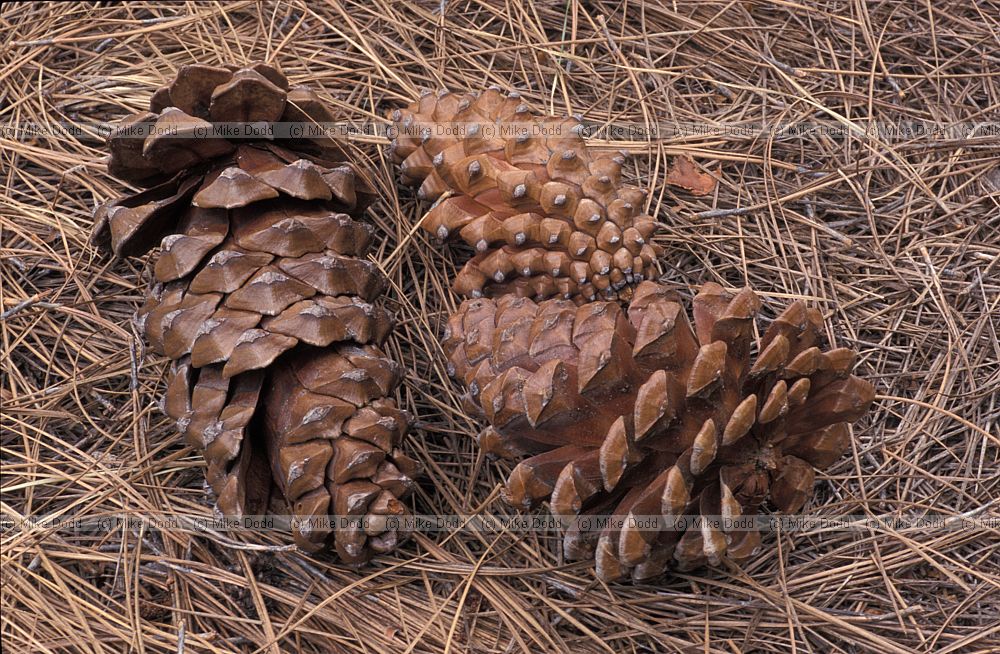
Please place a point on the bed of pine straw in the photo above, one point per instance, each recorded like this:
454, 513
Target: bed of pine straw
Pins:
896, 241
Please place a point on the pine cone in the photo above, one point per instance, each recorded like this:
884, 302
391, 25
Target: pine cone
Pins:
547, 215
641, 413
265, 302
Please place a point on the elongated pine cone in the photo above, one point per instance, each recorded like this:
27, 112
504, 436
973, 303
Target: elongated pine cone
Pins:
639, 412
547, 215
265, 302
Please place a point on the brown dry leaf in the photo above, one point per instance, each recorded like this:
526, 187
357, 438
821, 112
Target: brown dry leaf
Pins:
685, 174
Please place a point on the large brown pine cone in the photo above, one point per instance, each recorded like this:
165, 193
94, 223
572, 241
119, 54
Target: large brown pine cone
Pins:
263, 299
642, 413
547, 215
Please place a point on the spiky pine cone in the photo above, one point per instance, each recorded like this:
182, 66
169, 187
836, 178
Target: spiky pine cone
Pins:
641, 413
263, 299
547, 215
